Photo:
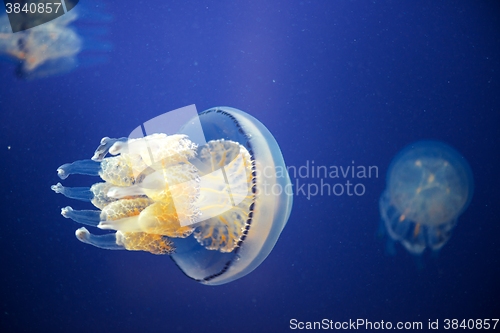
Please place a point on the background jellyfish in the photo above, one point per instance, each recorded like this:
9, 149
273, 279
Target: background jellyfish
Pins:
54, 47
429, 184
203, 204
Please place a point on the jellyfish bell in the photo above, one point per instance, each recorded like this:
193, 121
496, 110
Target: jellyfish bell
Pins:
429, 185
198, 194
268, 212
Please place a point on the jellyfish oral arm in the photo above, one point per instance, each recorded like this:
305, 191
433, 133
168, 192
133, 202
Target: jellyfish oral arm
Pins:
107, 241
82, 167
106, 146
87, 217
78, 193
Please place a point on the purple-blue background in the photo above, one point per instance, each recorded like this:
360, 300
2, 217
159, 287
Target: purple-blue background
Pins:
335, 82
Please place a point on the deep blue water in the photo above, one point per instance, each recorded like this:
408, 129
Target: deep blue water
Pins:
335, 82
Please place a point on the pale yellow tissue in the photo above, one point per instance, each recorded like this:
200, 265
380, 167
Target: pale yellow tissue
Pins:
125, 208
162, 218
140, 241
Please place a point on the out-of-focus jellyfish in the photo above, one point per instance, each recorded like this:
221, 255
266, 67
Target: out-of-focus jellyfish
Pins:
52, 48
205, 201
429, 185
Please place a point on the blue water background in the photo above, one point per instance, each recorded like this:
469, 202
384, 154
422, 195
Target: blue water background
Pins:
335, 82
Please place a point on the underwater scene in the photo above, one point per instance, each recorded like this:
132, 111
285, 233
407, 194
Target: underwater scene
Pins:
249, 166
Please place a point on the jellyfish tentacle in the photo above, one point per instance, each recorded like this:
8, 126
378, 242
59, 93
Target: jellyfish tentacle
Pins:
118, 192
126, 224
132, 241
105, 146
82, 167
107, 241
87, 217
77, 193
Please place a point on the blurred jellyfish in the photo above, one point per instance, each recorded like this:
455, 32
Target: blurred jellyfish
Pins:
54, 47
429, 184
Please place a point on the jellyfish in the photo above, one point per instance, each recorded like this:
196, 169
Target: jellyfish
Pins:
52, 48
429, 185
198, 195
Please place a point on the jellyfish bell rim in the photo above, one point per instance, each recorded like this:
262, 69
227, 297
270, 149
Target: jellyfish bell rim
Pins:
450, 153
271, 211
